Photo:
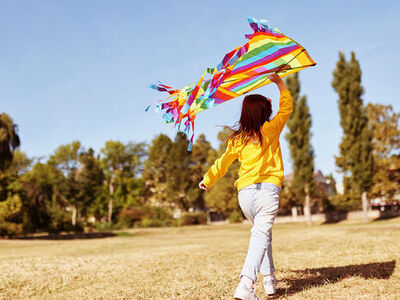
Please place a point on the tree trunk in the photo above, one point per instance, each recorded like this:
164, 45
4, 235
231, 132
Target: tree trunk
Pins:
307, 206
294, 213
110, 201
73, 215
208, 217
364, 200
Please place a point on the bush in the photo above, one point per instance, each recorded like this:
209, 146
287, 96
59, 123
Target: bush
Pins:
104, 227
194, 218
344, 203
150, 222
10, 230
130, 215
145, 217
235, 217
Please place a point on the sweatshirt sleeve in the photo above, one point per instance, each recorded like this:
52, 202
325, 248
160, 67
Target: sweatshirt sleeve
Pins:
285, 110
220, 166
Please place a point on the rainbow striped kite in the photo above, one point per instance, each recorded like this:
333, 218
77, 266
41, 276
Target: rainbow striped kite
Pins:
242, 70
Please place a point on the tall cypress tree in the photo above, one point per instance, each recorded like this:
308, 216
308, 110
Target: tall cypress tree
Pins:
301, 151
356, 157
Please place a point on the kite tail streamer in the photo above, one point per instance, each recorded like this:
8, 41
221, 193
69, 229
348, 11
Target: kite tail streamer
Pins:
163, 88
192, 137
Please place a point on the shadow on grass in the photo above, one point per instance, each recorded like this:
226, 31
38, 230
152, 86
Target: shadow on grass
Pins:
87, 235
309, 278
332, 217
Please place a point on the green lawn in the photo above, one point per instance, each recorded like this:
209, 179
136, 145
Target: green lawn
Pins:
340, 261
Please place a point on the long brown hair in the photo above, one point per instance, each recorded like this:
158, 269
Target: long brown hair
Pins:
256, 110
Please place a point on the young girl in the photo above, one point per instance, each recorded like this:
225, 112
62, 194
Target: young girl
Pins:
256, 145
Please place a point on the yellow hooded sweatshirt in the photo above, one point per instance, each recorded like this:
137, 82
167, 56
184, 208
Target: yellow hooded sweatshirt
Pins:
258, 164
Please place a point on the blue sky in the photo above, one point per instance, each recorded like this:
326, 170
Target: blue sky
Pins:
80, 70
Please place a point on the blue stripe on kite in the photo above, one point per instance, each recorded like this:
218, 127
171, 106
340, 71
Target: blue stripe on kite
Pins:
262, 55
185, 108
242, 86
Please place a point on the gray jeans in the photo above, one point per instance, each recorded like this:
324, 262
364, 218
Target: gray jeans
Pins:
259, 203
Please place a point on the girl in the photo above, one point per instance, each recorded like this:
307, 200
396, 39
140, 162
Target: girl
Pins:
256, 145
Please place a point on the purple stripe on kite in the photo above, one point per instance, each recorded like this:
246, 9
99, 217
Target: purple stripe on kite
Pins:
260, 71
175, 113
237, 55
276, 54
226, 58
218, 101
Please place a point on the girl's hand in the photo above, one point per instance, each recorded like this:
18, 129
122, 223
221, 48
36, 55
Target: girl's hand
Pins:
274, 78
278, 81
203, 186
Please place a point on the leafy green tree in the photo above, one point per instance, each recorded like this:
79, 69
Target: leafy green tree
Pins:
171, 174
90, 181
9, 141
356, 158
19, 165
384, 123
120, 161
200, 162
288, 201
179, 183
12, 192
223, 196
299, 139
43, 208
156, 171
66, 160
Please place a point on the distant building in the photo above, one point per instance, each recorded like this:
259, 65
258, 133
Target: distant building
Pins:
326, 183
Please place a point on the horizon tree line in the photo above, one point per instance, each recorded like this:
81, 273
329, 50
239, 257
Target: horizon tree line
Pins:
76, 186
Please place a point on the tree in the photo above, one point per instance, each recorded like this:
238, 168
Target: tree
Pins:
120, 161
355, 160
12, 192
9, 141
171, 174
130, 188
156, 170
66, 160
179, 183
200, 163
90, 180
222, 197
288, 201
298, 137
384, 123
43, 207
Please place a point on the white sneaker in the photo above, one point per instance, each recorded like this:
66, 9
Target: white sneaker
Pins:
244, 293
270, 284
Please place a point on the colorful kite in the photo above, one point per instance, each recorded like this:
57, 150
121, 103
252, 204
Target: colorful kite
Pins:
242, 70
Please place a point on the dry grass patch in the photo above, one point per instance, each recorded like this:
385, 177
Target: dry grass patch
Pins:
340, 261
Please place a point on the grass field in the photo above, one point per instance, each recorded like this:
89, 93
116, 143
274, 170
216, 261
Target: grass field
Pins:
341, 261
